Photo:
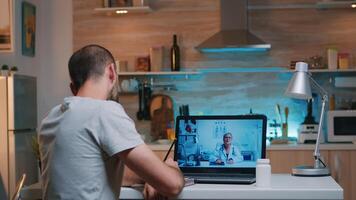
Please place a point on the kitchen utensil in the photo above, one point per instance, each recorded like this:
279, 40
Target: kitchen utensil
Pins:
278, 112
162, 117
285, 124
147, 94
184, 110
139, 114
156, 102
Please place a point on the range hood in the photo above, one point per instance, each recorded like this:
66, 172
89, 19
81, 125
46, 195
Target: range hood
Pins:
335, 4
234, 35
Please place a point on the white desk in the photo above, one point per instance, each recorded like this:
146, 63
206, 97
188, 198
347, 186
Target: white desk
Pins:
284, 186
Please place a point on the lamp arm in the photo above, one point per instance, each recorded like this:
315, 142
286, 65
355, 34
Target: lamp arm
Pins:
318, 163
321, 89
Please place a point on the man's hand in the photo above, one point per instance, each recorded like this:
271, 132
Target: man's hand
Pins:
166, 178
170, 162
151, 193
218, 161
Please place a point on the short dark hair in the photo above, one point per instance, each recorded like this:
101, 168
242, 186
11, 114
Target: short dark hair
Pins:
88, 62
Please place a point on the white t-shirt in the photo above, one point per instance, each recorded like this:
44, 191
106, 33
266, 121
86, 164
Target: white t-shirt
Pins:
77, 141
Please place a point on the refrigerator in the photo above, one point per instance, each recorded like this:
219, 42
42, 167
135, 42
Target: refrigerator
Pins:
18, 122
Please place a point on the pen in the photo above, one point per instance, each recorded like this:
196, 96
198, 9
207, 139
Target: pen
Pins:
169, 150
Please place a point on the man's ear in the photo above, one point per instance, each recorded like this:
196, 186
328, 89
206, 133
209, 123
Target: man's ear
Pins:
73, 89
112, 72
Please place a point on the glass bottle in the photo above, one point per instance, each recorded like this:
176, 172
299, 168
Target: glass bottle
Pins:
175, 55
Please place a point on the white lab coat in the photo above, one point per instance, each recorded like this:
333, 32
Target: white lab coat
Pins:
234, 154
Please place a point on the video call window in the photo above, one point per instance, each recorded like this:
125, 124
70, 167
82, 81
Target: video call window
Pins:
219, 143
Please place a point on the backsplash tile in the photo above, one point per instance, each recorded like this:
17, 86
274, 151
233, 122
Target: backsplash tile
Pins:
235, 93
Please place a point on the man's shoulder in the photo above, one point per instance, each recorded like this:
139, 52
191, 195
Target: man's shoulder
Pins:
111, 106
53, 111
111, 109
92, 104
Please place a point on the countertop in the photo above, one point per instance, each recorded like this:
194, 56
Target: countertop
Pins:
283, 186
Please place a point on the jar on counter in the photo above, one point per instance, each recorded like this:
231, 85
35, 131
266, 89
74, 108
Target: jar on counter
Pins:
263, 173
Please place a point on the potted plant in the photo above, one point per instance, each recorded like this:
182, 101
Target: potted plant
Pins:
36, 151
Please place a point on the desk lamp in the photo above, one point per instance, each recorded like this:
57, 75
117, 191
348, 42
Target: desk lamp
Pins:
299, 88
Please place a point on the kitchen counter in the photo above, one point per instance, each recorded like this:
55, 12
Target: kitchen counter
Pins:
283, 186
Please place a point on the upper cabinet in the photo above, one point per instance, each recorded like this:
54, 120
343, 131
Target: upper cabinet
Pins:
320, 4
120, 7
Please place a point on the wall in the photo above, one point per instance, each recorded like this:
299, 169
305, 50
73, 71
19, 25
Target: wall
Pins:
26, 65
295, 34
53, 48
57, 48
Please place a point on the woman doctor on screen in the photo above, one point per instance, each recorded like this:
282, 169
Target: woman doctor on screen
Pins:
227, 152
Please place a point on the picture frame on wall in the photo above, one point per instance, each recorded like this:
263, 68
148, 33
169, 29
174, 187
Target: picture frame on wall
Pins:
6, 32
28, 25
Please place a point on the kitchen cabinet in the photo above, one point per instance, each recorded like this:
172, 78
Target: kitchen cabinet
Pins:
123, 10
131, 7
320, 5
342, 165
340, 158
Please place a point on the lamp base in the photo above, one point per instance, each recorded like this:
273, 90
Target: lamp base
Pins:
310, 171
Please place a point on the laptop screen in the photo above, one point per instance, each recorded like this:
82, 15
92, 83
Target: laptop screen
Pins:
206, 143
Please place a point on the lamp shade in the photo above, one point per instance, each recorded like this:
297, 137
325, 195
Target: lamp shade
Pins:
299, 85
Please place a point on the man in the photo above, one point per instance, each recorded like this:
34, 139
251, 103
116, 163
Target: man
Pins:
85, 140
227, 153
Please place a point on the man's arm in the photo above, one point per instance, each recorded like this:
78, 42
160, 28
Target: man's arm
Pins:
165, 178
130, 178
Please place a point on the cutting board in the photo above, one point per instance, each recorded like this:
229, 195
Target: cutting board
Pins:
162, 116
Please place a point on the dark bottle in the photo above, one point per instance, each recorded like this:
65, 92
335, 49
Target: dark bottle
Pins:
175, 55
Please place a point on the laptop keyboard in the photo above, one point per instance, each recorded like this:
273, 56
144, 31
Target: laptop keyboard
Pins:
223, 178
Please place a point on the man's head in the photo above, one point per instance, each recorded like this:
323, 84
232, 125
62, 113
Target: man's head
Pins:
227, 138
93, 63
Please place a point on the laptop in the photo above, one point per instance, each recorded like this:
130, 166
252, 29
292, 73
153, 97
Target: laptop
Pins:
220, 149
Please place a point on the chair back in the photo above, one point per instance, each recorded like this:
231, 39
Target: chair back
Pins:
19, 185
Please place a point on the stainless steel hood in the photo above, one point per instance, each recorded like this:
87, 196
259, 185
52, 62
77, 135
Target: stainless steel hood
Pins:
234, 35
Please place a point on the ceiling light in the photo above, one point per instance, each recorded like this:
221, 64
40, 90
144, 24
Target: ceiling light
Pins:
121, 11
353, 5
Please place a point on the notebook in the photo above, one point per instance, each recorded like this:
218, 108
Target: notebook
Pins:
220, 149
